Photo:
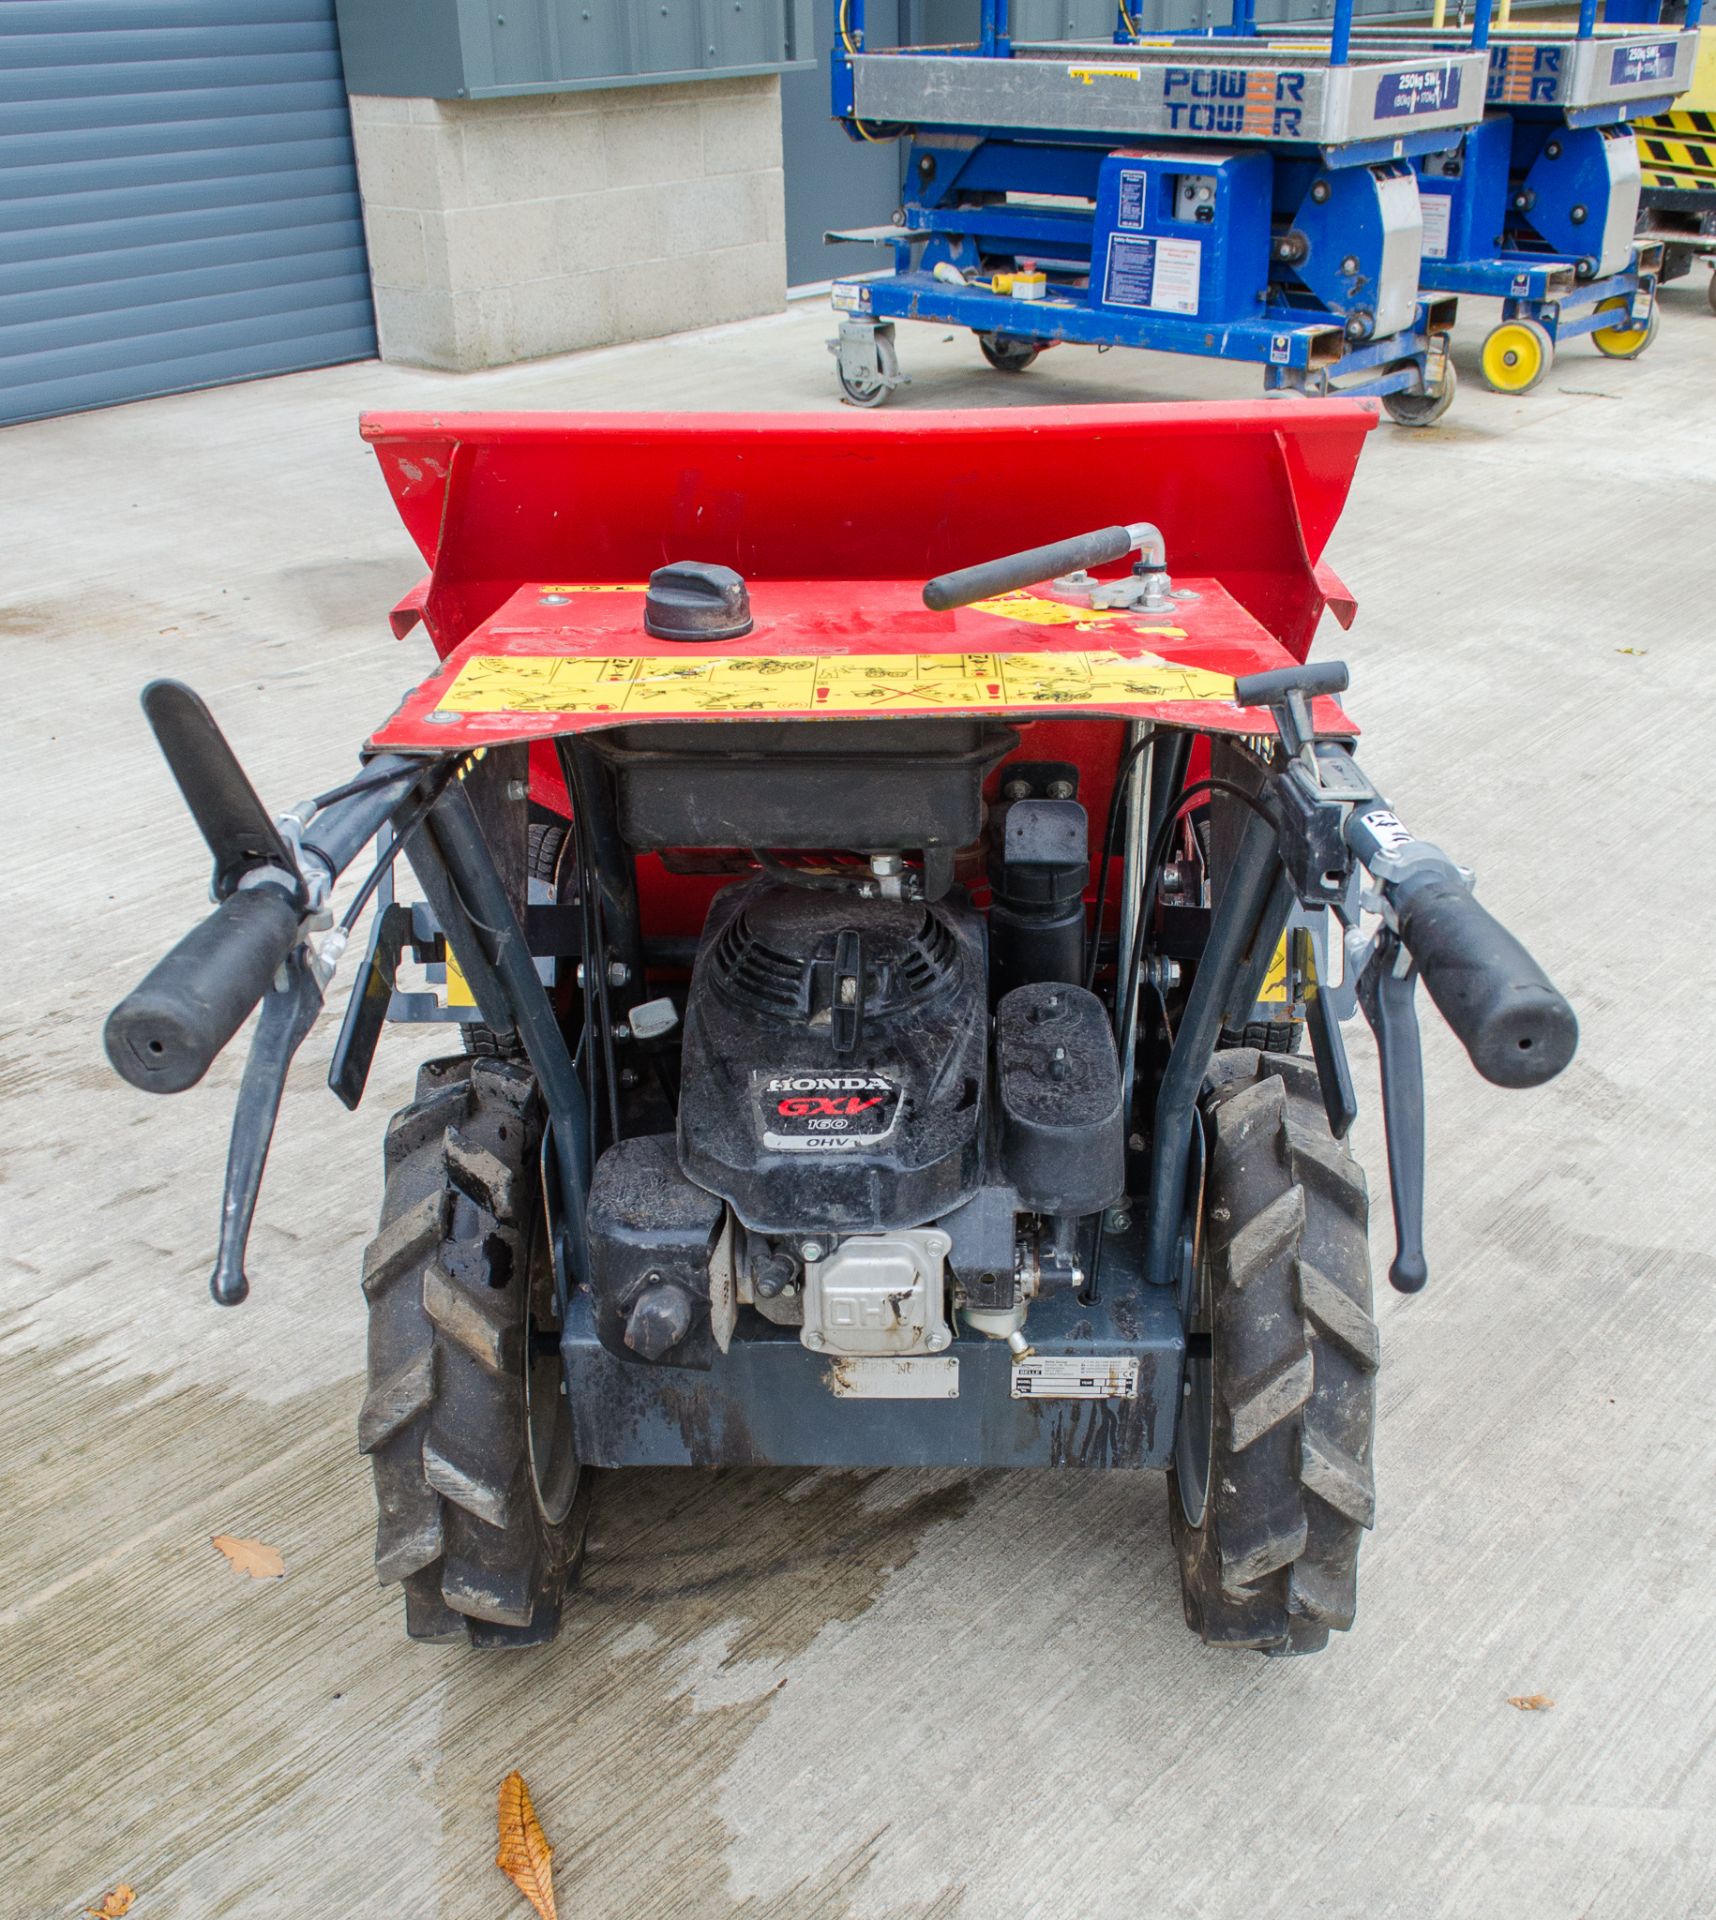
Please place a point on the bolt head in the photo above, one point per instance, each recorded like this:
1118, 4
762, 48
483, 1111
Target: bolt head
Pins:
1118, 1220
618, 973
814, 1339
1016, 790
1060, 789
810, 1249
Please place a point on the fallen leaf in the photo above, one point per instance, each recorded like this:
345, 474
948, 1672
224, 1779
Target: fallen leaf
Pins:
525, 1856
250, 1556
1530, 1702
113, 1904
1638, 650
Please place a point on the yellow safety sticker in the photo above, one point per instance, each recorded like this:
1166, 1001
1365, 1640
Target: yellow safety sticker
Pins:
1037, 612
1087, 75
459, 992
1275, 980
875, 683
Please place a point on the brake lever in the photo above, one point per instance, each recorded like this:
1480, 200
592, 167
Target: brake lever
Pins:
1386, 985
289, 1010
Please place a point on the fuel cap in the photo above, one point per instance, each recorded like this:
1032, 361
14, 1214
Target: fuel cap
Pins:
694, 600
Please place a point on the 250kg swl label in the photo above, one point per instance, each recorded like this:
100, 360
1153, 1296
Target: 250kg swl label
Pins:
1075, 1377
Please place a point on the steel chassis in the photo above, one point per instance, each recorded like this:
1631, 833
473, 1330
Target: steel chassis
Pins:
1249, 498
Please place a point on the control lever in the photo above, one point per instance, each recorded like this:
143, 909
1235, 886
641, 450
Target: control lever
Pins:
1015, 570
237, 827
1323, 1018
1516, 1028
1385, 991
289, 1010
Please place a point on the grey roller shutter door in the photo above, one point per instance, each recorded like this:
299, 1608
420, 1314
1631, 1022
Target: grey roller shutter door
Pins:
178, 199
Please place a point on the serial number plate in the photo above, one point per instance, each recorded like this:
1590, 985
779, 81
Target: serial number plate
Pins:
881, 1377
1075, 1377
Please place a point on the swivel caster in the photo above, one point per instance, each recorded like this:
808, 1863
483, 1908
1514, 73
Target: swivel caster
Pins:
1626, 339
1516, 355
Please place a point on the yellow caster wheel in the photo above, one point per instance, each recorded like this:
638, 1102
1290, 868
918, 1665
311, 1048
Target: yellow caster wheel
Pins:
1516, 355
1624, 341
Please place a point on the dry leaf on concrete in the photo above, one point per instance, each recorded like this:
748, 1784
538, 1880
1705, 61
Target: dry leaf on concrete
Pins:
1530, 1702
113, 1904
250, 1556
525, 1856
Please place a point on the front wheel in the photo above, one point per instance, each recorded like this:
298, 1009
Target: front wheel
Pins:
1007, 353
1516, 355
1271, 1489
481, 1501
1422, 409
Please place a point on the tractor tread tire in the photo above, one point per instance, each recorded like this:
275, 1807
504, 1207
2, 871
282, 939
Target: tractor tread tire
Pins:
1294, 1354
444, 1420
1267, 1036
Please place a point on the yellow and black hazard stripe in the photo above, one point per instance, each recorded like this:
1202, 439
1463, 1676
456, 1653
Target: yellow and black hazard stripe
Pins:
1679, 124
1680, 182
1682, 156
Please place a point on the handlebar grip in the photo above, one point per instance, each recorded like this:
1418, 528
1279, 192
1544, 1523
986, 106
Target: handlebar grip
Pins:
1261, 689
164, 1035
1517, 1028
1013, 570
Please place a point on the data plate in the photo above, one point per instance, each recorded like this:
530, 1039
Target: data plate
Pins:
1075, 1377
885, 1378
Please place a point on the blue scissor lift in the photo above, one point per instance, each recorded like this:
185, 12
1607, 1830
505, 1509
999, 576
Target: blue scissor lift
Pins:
1189, 195
1537, 205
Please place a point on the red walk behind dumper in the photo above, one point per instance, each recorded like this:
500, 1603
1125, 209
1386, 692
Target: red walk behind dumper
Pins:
900, 883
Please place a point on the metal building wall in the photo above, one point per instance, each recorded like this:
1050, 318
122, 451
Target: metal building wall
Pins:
178, 199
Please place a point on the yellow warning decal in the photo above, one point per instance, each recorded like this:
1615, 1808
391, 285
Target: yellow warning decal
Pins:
1038, 612
1274, 987
459, 992
1086, 75
553, 683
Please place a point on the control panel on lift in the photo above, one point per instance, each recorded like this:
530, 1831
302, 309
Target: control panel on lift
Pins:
1182, 231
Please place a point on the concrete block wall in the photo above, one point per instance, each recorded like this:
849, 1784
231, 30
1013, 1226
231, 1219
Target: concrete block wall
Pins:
508, 229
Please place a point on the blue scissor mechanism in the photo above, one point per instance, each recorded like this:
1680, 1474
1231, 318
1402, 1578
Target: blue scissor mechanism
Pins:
1249, 202
1307, 201
1537, 204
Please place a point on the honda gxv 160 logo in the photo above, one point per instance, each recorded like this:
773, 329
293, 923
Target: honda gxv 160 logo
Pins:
826, 1112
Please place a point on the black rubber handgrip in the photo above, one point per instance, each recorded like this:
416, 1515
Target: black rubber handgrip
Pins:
1518, 1030
164, 1035
1014, 570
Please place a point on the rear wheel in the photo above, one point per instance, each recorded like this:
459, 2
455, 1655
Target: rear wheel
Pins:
1623, 340
1271, 1486
481, 1502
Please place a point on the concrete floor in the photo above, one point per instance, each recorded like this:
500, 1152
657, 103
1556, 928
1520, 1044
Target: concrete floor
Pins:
894, 1695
